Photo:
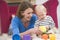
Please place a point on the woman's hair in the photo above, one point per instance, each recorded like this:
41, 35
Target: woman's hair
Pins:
22, 7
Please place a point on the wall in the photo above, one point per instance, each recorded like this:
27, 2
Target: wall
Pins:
58, 13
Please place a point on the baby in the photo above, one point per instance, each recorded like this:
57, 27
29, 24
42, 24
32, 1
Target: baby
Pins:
43, 18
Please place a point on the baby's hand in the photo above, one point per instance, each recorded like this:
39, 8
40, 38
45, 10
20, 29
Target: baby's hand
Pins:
47, 28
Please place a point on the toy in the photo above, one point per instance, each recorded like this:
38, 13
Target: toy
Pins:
43, 29
44, 36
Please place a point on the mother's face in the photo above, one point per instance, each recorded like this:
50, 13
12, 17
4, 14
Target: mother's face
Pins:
28, 14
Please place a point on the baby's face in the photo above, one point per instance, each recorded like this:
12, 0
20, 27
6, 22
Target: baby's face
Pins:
40, 13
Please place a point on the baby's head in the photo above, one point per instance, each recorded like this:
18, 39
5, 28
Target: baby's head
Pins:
40, 11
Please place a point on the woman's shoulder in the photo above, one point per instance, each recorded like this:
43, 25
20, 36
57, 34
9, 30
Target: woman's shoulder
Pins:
16, 18
34, 16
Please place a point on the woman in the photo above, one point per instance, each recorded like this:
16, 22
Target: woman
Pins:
23, 22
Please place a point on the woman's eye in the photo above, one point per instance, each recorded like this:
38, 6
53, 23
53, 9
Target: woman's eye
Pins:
29, 13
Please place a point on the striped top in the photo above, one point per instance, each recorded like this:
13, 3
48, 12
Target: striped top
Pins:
47, 21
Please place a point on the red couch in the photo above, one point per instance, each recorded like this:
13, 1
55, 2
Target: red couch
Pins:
4, 16
51, 6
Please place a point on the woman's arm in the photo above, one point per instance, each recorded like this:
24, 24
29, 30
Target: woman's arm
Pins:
26, 32
14, 26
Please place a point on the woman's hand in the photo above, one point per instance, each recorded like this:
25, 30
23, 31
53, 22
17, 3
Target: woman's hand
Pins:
31, 31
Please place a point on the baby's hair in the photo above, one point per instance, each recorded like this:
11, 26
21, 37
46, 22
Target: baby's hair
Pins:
41, 7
